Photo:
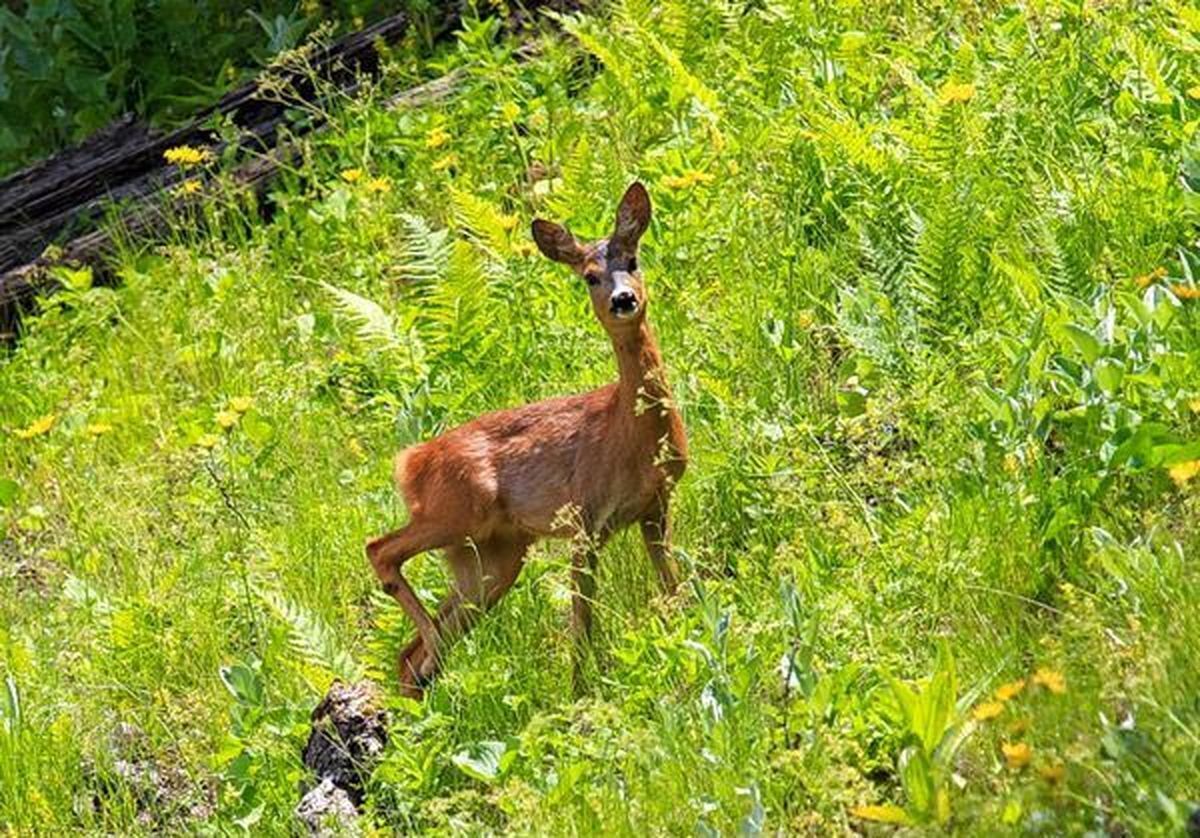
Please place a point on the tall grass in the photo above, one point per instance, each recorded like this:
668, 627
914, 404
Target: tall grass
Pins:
924, 280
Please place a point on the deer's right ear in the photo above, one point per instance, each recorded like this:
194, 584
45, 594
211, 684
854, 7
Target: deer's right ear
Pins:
557, 243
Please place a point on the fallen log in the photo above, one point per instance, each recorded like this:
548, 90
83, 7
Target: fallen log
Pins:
67, 196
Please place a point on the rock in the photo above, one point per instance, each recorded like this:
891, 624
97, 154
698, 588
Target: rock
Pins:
349, 732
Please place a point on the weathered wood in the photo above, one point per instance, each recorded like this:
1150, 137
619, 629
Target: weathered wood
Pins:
66, 197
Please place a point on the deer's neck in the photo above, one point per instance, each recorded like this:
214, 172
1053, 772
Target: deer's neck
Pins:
643, 382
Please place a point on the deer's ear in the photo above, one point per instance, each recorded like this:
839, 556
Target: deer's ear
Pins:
633, 217
556, 242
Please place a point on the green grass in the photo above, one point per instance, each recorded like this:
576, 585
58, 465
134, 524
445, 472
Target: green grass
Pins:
934, 419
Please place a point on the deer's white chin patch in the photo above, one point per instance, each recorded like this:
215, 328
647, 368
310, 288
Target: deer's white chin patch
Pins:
627, 315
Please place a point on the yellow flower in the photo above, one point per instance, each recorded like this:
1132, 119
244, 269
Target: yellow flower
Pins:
987, 710
1186, 292
1009, 691
228, 418
1194, 405
952, 92
437, 138
1146, 279
186, 155
1052, 772
352, 175
1016, 754
208, 441
189, 187
1181, 473
379, 185
510, 111
690, 178
38, 427
1018, 726
241, 404
99, 428
1194, 91
1051, 679
443, 163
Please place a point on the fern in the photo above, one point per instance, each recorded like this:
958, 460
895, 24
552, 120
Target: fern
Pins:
375, 326
482, 222
424, 252
310, 639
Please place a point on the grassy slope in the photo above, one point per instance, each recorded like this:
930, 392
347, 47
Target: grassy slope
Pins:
938, 211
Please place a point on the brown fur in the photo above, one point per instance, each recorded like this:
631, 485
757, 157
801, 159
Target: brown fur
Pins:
578, 467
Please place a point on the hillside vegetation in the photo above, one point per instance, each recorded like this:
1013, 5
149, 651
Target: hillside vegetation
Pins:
925, 280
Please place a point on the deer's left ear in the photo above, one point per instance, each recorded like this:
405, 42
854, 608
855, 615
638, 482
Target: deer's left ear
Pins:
633, 217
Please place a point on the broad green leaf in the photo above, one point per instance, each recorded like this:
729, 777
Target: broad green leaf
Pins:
481, 761
1109, 374
1084, 341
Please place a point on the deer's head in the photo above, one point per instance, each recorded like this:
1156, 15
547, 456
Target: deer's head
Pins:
609, 266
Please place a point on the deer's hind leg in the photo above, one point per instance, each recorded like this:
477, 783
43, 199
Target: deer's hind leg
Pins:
482, 574
388, 554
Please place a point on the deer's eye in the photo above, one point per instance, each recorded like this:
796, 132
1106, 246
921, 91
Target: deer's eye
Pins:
633, 264
592, 277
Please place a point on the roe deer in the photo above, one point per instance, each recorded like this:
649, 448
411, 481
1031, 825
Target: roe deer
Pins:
578, 467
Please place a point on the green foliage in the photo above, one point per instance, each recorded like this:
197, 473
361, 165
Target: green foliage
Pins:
69, 67
925, 283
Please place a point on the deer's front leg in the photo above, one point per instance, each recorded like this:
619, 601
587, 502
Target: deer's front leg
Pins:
656, 534
583, 582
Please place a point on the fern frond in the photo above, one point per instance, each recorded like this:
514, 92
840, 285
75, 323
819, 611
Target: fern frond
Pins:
310, 639
482, 222
375, 326
424, 252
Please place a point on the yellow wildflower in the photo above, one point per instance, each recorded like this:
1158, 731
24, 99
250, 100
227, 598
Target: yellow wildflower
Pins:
1009, 691
99, 428
1181, 473
1194, 91
691, 177
437, 138
352, 175
987, 710
379, 185
1186, 292
186, 155
37, 428
510, 111
446, 162
241, 404
886, 813
208, 441
1052, 772
1016, 754
1194, 405
189, 187
228, 418
952, 92
1051, 679
1146, 279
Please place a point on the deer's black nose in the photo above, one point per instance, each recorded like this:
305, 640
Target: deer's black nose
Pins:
624, 302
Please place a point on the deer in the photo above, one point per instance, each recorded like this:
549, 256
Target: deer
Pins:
579, 467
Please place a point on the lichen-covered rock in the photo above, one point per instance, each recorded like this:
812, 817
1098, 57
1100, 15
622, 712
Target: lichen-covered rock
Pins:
349, 731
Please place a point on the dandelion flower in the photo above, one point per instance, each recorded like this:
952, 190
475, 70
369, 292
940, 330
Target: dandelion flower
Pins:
437, 138
953, 92
208, 441
1016, 754
1051, 679
240, 404
37, 428
1009, 691
690, 178
987, 710
228, 418
379, 185
191, 186
1146, 279
186, 155
99, 428
352, 175
446, 162
1052, 772
1181, 473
